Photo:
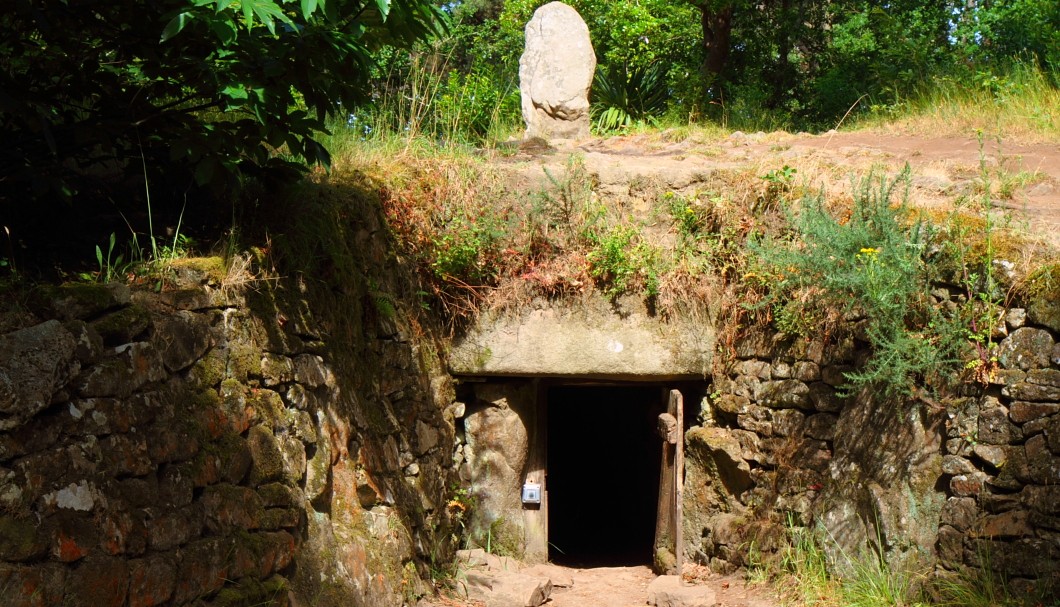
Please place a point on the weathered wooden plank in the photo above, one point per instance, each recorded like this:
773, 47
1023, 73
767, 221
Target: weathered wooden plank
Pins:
677, 404
665, 528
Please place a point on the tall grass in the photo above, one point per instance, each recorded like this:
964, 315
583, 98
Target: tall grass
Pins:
1021, 101
806, 575
427, 105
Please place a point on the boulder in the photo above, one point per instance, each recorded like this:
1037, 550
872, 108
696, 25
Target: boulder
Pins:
507, 589
81, 301
497, 444
501, 581
888, 465
555, 73
125, 370
1045, 310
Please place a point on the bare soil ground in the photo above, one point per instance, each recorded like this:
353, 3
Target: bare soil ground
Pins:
1024, 179
623, 587
628, 587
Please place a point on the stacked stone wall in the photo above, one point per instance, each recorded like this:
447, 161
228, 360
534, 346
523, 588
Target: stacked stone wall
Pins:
969, 481
1002, 466
202, 446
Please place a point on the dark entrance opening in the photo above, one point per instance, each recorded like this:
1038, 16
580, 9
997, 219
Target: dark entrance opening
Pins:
603, 474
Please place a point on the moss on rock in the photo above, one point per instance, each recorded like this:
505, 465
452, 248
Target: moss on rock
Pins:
250, 592
19, 539
1041, 291
81, 301
123, 325
191, 271
210, 369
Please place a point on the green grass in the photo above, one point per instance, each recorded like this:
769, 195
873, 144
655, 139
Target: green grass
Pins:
804, 574
1022, 102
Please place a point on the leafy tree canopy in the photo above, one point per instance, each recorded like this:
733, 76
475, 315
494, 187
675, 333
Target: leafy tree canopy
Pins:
803, 61
92, 89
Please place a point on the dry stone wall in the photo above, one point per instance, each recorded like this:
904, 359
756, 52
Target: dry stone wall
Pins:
207, 447
973, 481
1002, 466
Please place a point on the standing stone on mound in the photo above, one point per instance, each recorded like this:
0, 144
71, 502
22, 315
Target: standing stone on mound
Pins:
555, 73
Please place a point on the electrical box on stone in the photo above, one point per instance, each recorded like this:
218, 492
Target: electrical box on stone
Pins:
532, 494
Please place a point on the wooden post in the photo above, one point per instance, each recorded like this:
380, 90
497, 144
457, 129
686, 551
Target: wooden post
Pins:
677, 403
668, 528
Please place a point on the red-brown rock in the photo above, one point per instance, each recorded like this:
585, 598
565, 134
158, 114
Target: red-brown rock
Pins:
151, 581
98, 582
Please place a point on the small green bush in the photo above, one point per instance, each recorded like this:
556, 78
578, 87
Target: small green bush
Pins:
871, 265
466, 249
620, 262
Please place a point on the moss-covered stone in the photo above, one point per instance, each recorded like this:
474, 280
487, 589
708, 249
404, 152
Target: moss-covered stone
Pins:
279, 495
81, 301
267, 406
281, 518
20, 539
243, 361
228, 508
318, 470
266, 455
250, 592
277, 369
234, 455
1042, 293
194, 271
209, 370
122, 326
300, 424
185, 337
234, 405
506, 538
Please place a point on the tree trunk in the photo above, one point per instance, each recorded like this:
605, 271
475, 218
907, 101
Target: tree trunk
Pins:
717, 31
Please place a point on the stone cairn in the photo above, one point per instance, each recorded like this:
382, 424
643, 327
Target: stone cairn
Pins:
555, 73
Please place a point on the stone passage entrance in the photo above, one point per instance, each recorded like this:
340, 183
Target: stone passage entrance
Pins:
603, 460
571, 469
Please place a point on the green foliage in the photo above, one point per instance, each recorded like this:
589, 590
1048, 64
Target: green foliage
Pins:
804, 567
428, 97
623, 96
611, 261
806, 575
571, 194
690, 223
111, 265
872, 582
872, 264
711, 235
619, 261
996, 31
1043, 284
465, 249
779, 184
213, 88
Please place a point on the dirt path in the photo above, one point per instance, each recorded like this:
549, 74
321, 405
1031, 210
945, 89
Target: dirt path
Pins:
1025, 179
628, 587
590, 587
